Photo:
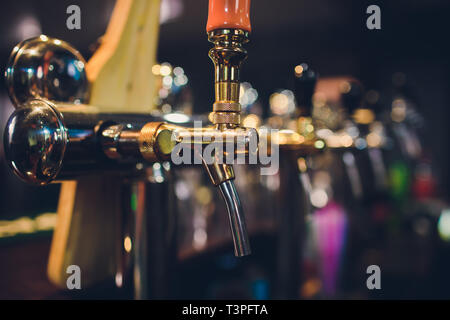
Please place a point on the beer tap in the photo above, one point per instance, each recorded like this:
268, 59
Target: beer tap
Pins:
53, 136
369, 142
333, 172
297, 141
228, 28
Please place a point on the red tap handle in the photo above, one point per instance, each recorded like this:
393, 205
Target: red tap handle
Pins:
229, 14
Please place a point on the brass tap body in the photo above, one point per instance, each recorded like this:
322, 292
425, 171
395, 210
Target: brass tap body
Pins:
227, 55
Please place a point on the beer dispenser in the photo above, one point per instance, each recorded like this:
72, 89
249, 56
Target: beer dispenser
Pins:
58, 133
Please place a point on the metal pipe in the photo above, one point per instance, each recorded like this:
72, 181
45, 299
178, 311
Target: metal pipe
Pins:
237, 220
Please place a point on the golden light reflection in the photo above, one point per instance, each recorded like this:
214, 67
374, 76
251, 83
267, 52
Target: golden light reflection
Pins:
251, 121
288, 137
203, 195
364, 116
333, 141
345, 87
373, 140
165, 69
298, 70
127, 244
279, 103
282, 103
311, 287
211, 117
346, 140
26, 225
339, 141
156, 69
301, 163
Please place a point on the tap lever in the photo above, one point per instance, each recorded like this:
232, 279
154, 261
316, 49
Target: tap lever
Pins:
224, 14
228, 28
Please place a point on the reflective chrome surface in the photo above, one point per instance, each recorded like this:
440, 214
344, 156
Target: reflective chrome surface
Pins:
44, 67
35, 141
237, 220
228, 54
44, 140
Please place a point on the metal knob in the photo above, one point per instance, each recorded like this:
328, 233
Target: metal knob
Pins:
35, 141
49, 68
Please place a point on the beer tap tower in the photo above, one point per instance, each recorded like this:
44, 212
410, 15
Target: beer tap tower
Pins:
57, 134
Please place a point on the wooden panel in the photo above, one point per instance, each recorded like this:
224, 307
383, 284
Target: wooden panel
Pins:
121, 79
